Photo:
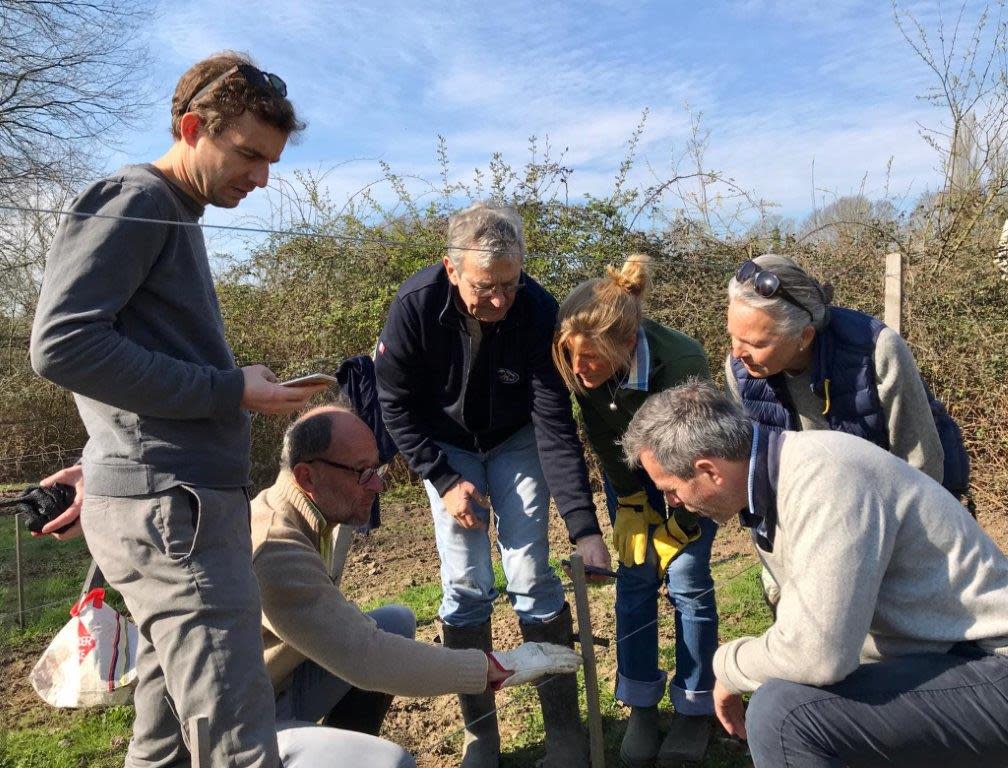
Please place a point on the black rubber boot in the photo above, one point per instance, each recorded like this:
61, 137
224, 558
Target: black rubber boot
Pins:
686, 741
642, 739
482, 739
566, 744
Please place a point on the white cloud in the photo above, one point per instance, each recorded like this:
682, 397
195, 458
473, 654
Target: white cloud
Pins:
795, 83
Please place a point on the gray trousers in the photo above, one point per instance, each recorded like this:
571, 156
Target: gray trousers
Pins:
313, 694
182, 560
917, 711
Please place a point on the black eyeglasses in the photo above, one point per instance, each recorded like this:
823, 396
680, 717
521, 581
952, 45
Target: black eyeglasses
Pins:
364, 476
768, 284
265, 81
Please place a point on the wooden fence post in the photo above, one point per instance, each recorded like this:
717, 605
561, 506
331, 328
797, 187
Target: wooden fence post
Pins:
17, 560
595, 735
894, 291
199, 741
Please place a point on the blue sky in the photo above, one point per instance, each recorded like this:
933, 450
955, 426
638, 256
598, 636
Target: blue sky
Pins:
790, 91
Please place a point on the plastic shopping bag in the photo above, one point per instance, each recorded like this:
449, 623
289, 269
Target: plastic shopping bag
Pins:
92, 661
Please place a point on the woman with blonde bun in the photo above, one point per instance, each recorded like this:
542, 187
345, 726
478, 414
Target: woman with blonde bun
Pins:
612, 358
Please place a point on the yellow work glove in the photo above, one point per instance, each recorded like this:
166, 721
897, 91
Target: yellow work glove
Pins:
672, 536
630, 531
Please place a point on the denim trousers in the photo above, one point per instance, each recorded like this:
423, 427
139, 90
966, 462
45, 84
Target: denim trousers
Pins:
313, 692
511, 476
918, 711
640, 682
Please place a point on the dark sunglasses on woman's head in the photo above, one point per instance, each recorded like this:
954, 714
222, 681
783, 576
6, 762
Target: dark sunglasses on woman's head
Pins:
255, 77
767, 284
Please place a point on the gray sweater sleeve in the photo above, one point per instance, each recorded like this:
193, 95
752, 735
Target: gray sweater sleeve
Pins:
912, 432
95, 267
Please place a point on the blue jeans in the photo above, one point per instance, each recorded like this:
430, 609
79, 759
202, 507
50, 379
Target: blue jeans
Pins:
912, 712
511, 476
639, 680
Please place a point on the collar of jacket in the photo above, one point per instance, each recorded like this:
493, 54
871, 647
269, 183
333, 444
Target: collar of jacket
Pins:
764, 468
821, 356
453, 317
285, 491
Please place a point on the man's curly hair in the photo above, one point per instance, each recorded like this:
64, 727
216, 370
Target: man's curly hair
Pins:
219, 107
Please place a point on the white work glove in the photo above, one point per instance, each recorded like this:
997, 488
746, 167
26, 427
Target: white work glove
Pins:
533, 660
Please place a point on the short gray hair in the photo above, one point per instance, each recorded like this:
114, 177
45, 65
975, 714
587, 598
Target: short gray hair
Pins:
790, 320
306, 439
496, 230
692, 421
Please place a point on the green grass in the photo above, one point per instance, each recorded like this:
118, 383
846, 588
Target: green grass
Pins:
52, 572
425, 599
94, 739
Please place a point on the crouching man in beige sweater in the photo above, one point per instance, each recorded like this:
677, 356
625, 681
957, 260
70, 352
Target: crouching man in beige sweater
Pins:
890, 645
329, 662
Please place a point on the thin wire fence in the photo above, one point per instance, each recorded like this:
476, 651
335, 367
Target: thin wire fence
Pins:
306, 232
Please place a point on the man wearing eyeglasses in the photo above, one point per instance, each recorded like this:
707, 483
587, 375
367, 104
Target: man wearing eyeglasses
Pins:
328, 661
471, 397
128, 320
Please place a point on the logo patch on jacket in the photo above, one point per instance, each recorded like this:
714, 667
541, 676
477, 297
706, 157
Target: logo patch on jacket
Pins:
507, 376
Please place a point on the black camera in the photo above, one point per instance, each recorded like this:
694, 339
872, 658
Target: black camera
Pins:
42, 505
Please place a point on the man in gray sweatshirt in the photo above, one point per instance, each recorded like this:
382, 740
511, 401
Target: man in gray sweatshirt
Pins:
890, 645
128, 321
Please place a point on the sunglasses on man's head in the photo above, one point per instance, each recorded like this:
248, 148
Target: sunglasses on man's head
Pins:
767, 284
265, 81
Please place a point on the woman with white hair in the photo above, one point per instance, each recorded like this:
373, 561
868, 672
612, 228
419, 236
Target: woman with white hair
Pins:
797, 362
613, 357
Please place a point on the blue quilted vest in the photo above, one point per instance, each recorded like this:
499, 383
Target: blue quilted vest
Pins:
843, 375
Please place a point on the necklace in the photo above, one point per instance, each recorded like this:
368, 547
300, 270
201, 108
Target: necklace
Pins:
613, 390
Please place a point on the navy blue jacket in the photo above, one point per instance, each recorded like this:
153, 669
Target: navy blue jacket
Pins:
844, 361
356, 376
432, 391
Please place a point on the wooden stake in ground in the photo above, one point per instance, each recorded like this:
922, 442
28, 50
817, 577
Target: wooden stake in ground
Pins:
596, 739
894, 291
17, 560
199, 741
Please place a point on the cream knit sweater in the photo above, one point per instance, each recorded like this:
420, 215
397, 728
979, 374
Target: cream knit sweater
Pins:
874, 560
305, 616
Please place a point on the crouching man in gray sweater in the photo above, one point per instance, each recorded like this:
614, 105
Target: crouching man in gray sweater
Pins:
890, 645
128, 321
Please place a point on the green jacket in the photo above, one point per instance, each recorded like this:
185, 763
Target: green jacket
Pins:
674, 358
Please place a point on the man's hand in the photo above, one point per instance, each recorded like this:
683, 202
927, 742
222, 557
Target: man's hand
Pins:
594, 553
457, 502
729, 710
72, 476
264, 394
531, 661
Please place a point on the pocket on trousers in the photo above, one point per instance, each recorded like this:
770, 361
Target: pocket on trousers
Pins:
180, 513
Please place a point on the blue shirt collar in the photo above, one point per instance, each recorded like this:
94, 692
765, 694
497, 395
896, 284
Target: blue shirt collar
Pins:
640, 365
764, 466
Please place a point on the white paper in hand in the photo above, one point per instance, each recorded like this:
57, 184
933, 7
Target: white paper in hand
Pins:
531, 661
